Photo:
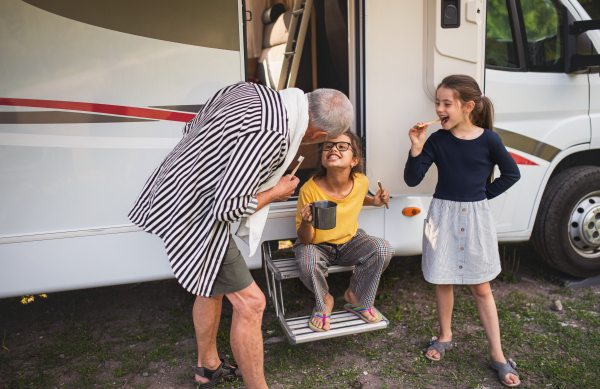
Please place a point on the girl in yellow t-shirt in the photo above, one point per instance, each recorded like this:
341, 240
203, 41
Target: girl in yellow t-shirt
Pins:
339, 177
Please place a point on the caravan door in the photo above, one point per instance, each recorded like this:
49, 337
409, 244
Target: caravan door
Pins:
93, 95
541, 111
410, 47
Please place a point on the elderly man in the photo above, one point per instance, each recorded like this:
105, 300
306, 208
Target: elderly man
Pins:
228, 168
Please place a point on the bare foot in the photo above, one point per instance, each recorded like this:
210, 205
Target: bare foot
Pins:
317, 321
433, 353
202, 380
351, 298
510, 378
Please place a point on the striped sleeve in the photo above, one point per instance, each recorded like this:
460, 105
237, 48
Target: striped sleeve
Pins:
209, 107
254, 159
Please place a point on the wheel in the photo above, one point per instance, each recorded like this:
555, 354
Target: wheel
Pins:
567, 227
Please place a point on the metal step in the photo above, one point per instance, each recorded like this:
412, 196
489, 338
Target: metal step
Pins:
296, 329
285, 269
342, 323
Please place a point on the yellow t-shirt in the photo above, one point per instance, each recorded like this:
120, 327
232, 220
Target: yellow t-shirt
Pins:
346, 213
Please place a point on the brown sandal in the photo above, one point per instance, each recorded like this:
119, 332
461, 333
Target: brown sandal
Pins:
224, 372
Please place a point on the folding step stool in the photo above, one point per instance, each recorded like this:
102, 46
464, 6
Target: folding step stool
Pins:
296, 329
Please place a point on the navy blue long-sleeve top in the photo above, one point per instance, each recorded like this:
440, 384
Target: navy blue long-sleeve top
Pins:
464, 166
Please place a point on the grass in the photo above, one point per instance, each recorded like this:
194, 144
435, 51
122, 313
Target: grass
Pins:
142, 336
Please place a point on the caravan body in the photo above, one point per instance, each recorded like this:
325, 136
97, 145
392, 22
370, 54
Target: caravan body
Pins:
93, 96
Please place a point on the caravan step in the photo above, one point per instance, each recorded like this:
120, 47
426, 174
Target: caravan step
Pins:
342, 323
286, 268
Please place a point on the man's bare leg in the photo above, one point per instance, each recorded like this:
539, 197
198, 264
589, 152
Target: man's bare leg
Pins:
207, 315
246, 335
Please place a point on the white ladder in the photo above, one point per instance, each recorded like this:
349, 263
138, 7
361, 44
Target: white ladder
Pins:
287, 78
296, 329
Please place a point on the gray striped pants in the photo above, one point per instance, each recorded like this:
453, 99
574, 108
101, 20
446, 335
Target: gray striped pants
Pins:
369, 254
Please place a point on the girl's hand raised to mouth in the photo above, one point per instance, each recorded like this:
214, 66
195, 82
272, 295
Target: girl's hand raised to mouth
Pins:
417, 135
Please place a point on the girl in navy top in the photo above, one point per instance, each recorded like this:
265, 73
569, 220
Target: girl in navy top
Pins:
460, 245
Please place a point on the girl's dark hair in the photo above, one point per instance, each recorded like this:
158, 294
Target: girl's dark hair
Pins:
466, 89
357, 152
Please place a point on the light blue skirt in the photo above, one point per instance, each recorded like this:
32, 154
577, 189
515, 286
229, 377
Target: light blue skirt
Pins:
460, 245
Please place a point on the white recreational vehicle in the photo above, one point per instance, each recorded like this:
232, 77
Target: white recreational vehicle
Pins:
94, 94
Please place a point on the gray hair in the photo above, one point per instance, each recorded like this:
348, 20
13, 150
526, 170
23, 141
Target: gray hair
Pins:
330, 110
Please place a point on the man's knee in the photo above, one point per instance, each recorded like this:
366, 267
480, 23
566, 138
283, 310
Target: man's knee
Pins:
252, 304
257, 301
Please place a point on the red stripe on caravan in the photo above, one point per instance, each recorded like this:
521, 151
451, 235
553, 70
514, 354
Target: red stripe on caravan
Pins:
522, 161
101, 108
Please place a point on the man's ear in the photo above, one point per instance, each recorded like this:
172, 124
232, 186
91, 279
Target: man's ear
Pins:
318, 134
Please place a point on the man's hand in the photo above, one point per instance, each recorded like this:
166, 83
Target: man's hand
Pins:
306, 213
282, 191
285, 188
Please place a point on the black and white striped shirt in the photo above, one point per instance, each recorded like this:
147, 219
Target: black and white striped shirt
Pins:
232, 147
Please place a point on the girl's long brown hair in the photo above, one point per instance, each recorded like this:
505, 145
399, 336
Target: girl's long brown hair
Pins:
466, 89
357, 152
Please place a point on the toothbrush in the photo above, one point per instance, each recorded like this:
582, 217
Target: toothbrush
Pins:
381, 188
300, 159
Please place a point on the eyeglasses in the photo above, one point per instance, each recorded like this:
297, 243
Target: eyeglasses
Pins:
341, 146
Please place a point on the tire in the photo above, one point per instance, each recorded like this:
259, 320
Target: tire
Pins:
563, 234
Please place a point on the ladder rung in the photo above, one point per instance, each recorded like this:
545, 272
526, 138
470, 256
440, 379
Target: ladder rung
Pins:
334, 326
297, 324
289, 53
342, 323
335, 316
298, 12
287, 268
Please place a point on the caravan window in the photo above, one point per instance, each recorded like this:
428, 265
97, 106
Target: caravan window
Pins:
543, 23
500, 47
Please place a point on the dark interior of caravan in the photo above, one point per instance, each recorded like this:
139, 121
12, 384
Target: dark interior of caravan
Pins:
324, 53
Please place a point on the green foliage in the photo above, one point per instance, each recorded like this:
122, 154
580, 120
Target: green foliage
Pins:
498, 25
540, 18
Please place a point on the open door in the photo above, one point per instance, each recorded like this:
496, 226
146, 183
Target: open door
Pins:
410, 47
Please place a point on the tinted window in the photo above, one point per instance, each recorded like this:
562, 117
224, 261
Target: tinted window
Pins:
544, 49
500, 48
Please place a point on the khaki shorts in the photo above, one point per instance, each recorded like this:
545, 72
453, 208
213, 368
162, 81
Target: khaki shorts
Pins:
234, 274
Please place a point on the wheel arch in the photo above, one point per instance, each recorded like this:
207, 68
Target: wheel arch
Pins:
587, 157
577, 155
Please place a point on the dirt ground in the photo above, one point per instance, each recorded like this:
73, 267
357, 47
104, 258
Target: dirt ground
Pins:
141, 336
